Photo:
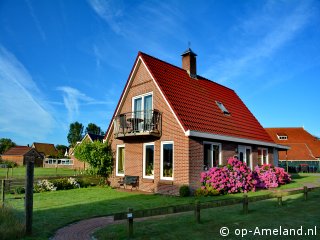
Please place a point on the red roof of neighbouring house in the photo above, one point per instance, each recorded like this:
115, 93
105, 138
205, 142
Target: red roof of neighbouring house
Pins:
304, 146
47, 149
17, 150
194, 102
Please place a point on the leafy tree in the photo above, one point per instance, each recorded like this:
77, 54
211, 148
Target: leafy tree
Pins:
5, 144
94, 129
61, 150
75, 133
97, 154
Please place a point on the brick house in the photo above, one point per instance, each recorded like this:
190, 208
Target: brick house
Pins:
19, 154
171, 124
304, 148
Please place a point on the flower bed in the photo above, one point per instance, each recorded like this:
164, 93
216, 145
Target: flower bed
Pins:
236, 177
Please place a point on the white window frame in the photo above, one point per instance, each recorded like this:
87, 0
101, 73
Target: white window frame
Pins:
161, 161
267, 159
245, 155
220, 151
144, 160
142, 96
117, 160
282, 137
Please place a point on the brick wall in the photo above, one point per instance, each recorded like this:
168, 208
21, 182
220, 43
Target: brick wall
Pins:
17, 159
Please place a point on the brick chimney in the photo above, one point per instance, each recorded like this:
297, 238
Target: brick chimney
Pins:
189, 62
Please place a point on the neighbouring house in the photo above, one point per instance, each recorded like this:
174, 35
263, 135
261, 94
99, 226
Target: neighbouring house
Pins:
20, 154
47, 150
89, 137
171, 124
304, 152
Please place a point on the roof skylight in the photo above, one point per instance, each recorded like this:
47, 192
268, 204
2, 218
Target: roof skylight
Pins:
223, 108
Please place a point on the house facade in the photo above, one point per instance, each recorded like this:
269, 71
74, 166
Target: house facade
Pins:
19, 155
171, 124
304, 152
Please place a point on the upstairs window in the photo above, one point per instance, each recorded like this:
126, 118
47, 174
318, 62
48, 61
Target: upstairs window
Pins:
223, 108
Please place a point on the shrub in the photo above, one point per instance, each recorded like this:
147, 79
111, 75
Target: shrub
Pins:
44, 186
19, 190
184, 191
10, 164
233, 178
65, 183
271, 177
206, 191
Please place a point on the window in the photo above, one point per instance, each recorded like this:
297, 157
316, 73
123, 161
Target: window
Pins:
263, 156
167, 160
282, 136
148, 160
120, 161
211, 155
223, 108
244, 155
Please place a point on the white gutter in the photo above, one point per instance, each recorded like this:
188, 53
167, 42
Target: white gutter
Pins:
190, 133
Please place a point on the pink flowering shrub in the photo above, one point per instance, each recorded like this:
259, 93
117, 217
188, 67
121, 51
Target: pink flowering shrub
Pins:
233, 178
236, 177
271, 177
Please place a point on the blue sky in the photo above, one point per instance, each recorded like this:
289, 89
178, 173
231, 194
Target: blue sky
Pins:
65, 61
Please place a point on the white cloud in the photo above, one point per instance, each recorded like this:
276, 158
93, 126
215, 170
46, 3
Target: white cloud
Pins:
23, 112
36, 20
73, 99
109, 12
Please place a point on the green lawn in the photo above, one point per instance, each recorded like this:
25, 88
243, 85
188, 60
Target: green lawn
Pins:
53, 210
262, 215
20, 172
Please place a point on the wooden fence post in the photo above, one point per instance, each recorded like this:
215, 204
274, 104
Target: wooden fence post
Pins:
245, 204
3, 184
279, 200
29, 194
130, 222
305, 192
197, 210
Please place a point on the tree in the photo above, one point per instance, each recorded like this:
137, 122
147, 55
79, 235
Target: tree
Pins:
61, 150
75, 133
94, 129
5, 144
97, 154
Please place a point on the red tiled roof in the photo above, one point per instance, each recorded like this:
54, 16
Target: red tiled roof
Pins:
303, 145
48, 149
17, 150
194, 103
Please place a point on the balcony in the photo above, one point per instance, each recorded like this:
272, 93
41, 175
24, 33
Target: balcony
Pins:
139, 123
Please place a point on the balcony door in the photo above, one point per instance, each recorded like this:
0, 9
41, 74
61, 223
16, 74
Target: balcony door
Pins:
142, 108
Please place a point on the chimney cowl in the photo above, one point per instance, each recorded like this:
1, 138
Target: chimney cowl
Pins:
189, 62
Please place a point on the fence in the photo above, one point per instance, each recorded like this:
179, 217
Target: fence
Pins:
15, 187
197, 206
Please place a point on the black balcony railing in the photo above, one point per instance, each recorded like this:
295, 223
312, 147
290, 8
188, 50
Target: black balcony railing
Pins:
138, 123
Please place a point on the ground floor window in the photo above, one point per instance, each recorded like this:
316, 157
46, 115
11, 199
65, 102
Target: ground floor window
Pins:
167, 160
244, 155
120, 160
148, 160
211, 155
263, 156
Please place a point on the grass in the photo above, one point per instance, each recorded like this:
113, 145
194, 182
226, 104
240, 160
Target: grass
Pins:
20, 172
53, 210
11, 224
264, 214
